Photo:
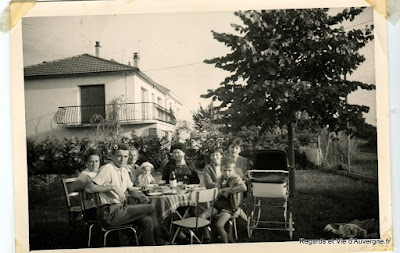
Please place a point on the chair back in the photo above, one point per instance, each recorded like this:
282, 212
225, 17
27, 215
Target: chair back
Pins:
71, 195
204, 196
84, 207
96, 198
236, 199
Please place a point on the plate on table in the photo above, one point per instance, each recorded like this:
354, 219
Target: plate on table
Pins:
155, 193
193, 185
180, 192
168, 192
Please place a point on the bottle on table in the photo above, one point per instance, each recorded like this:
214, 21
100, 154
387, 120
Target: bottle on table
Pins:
172, 180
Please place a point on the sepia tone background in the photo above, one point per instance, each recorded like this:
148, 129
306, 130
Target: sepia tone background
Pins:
379, 127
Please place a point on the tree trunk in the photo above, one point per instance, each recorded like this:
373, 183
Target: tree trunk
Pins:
291, 146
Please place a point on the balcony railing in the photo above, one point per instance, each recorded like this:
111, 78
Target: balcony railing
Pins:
127, 113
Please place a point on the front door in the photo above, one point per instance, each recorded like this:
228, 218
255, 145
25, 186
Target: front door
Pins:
92, 103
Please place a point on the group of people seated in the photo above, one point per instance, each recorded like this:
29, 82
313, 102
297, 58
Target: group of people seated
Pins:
118, 177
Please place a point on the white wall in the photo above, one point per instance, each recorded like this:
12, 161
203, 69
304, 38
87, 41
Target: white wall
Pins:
135, 94
139, 83
44, 96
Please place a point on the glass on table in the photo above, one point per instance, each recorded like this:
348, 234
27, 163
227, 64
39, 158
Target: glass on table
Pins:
182, 186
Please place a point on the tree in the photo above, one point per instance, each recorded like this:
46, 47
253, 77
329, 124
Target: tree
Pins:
205, 120
109, 129
285, 61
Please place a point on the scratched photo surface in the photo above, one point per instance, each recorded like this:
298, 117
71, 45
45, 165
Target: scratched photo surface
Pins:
296, 86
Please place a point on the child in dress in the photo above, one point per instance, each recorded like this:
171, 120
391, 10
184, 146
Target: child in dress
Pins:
229, 183
145, 178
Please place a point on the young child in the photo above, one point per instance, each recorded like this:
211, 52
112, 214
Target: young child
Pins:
228, 184
145, 177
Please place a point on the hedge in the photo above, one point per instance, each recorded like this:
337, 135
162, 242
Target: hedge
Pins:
54, 156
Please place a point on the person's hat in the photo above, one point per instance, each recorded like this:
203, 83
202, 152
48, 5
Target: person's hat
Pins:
146, 164
179, 146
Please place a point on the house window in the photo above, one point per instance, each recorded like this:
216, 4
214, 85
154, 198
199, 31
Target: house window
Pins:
153, 98
159, 101
144, 105
144, 95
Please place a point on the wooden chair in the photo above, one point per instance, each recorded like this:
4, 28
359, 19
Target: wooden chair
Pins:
193, 224
73, 207
106, 230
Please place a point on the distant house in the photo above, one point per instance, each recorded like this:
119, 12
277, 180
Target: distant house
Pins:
62, 96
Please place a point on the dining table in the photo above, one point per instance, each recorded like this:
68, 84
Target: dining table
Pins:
167, 201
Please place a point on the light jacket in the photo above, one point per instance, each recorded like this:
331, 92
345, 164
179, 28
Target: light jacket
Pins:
210, 176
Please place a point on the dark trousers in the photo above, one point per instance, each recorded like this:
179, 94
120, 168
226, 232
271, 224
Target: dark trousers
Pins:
142, 215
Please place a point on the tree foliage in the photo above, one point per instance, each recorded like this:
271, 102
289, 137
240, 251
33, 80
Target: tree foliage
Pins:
205, 120
285, 61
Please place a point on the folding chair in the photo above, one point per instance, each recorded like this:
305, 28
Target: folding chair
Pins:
193, 224
73, 207
238, 200
106, 230
89, 222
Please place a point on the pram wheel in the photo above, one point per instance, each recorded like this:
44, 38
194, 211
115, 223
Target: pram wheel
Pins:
258, 210
250, 224
271, 187
291, 229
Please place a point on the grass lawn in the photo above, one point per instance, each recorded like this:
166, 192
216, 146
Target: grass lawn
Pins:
320, 198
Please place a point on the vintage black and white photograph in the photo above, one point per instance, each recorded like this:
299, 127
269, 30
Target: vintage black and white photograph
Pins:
164, 129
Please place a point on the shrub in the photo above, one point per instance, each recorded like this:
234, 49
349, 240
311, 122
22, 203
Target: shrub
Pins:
67, 156
151, 148
302, 163
53, 156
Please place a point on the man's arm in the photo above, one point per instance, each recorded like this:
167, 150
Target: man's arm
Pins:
92, 187
138, 195
81, 183
78, 186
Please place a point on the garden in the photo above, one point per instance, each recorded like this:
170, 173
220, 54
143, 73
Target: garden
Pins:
319, 198
278, 96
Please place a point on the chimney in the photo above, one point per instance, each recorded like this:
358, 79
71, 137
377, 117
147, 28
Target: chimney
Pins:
136, 60
97, 46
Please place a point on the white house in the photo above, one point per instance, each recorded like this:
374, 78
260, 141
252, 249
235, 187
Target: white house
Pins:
62, 96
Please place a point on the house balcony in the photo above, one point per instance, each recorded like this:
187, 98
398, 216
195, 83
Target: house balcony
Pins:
127, 113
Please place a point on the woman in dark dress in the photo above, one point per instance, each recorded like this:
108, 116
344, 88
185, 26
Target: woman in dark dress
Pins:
185, 170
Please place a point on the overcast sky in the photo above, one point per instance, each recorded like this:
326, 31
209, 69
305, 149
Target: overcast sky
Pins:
172, 48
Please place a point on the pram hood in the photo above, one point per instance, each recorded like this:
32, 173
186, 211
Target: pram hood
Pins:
270, 159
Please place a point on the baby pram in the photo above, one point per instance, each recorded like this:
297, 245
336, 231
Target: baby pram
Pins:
271, 180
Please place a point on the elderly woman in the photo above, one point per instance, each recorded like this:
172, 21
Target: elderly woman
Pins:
185, 170
241, 163
133, 168
212, 171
